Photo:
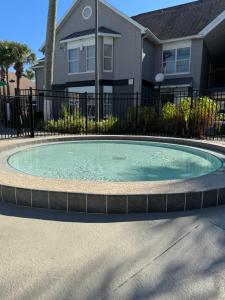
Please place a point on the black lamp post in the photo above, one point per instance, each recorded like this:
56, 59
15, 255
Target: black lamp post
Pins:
96, 65
159, 78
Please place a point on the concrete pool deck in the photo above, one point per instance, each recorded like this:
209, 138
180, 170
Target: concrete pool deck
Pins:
110, 197
54, 255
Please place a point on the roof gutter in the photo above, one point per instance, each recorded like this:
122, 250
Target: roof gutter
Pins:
141, 58
151, 36
190, 37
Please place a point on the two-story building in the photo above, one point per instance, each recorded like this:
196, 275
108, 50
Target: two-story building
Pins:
186, 42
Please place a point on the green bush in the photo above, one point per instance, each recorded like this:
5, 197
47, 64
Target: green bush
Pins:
191, 117
199, 115
142, 119
204, 111
170, 117
69, 124
169, 112
106, 126
76, 124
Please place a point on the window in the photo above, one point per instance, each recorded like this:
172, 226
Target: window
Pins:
108, 58
90, 58
74, 104
73, 59
177, 60
78, 102
169, 61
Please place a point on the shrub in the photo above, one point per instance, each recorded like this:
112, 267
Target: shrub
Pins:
203, 115
190, 117
106, 126
169, 118
69, 124
169, 112
142, 119
76, 124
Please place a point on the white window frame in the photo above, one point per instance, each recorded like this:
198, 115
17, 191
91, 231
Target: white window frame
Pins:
109, 42
74, 60
175, 46
177, 60
81, 44
86, 59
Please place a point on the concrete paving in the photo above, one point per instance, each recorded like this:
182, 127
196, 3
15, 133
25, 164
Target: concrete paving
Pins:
54, 255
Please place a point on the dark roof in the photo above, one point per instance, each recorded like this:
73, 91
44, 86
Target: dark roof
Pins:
182, 20
87, 32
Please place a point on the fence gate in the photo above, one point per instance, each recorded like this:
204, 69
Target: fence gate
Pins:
15, 120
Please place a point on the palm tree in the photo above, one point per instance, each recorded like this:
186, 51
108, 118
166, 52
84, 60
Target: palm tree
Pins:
23, 55
50, 44
7, 59
29, 73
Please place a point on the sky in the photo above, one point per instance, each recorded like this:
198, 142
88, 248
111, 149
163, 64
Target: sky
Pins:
25, 20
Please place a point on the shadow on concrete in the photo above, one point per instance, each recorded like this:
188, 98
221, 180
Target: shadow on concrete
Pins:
166, 279
53, 215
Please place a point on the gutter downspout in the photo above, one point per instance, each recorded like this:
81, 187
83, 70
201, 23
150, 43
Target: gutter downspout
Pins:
141, 66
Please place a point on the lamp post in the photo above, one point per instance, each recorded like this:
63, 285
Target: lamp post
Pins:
159, 78
96, 65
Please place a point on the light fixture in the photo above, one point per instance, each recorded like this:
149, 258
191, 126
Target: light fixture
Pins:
159, 78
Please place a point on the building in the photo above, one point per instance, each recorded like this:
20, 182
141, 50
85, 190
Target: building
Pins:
186, 42
25, 84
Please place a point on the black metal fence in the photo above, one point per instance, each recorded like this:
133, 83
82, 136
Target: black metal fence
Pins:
174, 113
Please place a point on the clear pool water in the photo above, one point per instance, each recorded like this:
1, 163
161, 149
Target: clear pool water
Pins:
114, 161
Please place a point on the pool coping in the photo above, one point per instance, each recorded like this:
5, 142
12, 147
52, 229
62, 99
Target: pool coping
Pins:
111, 197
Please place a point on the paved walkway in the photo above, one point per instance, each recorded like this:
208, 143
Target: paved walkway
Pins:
51, 255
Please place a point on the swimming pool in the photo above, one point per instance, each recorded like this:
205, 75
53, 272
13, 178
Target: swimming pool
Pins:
118, 161
112, 174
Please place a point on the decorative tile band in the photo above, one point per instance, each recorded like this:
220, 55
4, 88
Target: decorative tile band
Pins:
112, 204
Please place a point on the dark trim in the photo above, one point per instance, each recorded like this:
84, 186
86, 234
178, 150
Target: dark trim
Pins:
177, 81
121, 82
148, 83
101, 29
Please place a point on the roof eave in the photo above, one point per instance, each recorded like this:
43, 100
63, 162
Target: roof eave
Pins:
150, 35
189, 37
90, 36
212, 25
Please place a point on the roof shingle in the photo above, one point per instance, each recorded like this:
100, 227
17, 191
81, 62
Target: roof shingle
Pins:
182, 20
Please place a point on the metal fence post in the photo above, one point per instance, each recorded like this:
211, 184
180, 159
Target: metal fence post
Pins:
16, 106
31, 113
86, 112
137, 117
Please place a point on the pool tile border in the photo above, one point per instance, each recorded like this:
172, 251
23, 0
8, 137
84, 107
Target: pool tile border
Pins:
112, 204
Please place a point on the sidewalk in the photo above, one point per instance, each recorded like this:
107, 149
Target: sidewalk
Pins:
49, 255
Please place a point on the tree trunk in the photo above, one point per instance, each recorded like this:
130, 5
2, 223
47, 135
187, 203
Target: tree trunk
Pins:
7, 82
18, 83
50, 44
3, 79
19, 73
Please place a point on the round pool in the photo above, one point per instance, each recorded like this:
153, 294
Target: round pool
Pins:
118, 161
